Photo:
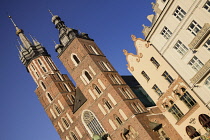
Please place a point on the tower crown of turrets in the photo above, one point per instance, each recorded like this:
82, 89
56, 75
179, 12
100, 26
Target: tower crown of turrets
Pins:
66, 34
28, 50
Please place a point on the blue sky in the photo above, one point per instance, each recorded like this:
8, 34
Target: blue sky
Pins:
110, 23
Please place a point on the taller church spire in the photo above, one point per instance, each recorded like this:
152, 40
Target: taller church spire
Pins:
28, 50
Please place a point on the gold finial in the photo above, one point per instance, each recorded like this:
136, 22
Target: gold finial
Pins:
50, 12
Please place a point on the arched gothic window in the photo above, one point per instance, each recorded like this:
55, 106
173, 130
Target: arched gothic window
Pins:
57, 110
191, 132
73, 136
65, 123
118, 120
43, 85
204, 120
92, 123
108, 105
75, 59
49, 97
87, 76
97, 89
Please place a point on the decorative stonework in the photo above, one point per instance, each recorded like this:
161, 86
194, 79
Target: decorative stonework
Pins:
138, 43
146, 30
201, 73
202, 34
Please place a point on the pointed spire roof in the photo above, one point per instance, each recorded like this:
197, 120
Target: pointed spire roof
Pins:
20, 33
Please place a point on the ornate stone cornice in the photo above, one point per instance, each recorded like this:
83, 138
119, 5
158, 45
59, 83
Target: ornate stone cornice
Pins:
202, 34
201, 73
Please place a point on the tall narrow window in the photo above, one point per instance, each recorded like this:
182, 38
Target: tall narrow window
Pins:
154, 62
43, 86
92, 123
207, 6
179, 13
207, 83
168, 77
108, 105
188, 99
118, 120
49, 97
97, 89
145, 75
105, 66
65, 123
73, 136
75, 59
59, 77
88, 76
176, 112
157, 90
194, 28
66, 87
115, 79
166, 33
207, 45
180, 48
92, 50
127, 94
195, 63
57, 110
39, 61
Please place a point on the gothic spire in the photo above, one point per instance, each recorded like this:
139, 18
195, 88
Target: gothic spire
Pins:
20, 33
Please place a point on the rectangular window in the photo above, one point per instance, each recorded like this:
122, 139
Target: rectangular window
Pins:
176, 112
154, 62
157, 90
195, 63
207, 6
145, 75
179, 13
188, 100
194, 28
180, 48
166, 33
207, 45
168, 77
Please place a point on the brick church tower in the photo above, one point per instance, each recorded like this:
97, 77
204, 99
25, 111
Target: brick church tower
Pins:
100, 106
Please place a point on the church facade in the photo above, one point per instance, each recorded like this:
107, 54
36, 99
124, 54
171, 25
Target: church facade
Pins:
101, 105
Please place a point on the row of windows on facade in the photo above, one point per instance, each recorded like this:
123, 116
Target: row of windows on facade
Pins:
43, 66
104, 65
92, 124
186, 98
179, 13
194, 28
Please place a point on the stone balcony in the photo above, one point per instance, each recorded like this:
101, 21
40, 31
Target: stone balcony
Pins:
198, 39
201, 73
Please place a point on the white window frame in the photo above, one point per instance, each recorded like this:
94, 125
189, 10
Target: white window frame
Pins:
207, 45
179, 13
195, 63
166, 33
207, 6
194, 28
180, 48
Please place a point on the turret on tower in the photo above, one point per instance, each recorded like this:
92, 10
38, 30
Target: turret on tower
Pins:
66, 34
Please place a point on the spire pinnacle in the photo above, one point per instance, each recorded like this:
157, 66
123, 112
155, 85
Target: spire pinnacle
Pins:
13, 23
50, 12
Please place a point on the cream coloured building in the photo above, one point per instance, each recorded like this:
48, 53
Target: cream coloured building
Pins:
174, 97
180, 32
